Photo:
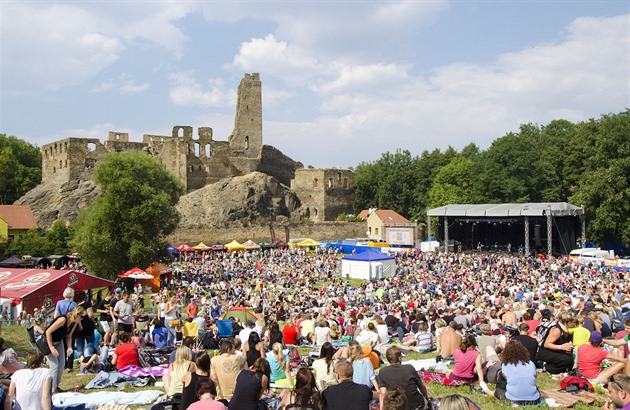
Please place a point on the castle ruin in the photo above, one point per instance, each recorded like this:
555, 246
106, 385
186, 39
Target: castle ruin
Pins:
198, 161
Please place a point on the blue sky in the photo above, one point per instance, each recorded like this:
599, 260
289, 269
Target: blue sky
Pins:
343, 81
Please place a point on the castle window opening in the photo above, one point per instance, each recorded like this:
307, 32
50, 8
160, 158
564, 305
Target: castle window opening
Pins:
208, 151
65, 165
117, 137
376, 231
54, 170
315, 182
91, 146
330, 182
197, 149
345, 183
89, 163
180, 132
246, 142
55, 148
65, 146
192, 168
207, 168
315, 212
60, 164
199, 168
339, 176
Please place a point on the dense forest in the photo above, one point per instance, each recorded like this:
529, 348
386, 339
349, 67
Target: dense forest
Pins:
587, 164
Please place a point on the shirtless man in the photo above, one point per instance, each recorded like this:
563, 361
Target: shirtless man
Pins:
449, 341
509, 317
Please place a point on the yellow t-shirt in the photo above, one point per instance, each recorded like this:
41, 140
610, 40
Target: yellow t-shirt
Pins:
581, 335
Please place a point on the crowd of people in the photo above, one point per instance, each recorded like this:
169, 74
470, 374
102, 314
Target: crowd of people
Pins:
496, 318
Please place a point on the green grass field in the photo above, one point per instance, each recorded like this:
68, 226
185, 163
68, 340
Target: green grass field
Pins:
16, 337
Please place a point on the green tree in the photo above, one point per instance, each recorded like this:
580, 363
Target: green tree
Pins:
126, 225
603, 186
20, 168
452, 184
58, 237
32, 242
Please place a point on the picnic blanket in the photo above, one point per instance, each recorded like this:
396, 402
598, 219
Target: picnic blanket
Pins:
564, 399
107, 379
91, 400
435, 377
135, 371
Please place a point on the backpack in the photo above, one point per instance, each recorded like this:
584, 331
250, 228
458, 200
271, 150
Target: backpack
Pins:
543, 331
575, 383
146, 358
296, 361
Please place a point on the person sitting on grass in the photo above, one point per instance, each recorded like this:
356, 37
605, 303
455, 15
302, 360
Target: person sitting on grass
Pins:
468, 366
520, 374
590, 357
422, 342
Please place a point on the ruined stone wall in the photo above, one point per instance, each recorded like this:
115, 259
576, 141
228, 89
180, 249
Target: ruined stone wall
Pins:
326, 231
325, 193
71, 158
278, 165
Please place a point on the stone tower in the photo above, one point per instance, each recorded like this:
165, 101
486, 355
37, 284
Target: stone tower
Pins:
325, 193
246, 138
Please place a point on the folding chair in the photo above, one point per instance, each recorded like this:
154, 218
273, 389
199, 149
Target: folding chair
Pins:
224, 328
191, 329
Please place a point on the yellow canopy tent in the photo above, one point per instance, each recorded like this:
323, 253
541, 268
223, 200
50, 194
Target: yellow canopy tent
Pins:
307, 243
202, 247
234, 246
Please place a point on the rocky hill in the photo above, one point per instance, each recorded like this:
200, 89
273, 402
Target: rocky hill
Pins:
50, 202
251, 198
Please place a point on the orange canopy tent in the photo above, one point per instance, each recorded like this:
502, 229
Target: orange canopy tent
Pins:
154, 270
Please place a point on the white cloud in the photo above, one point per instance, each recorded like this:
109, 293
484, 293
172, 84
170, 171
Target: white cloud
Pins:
186, 91
125, 84
279, 58
48, 46
581, 76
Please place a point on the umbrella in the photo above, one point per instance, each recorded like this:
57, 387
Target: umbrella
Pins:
135, 273
379, 293
266, 245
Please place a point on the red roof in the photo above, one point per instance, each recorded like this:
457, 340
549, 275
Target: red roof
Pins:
18, 216
390, 217
364, 214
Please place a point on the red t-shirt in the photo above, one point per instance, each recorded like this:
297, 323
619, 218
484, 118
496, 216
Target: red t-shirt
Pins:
127, 355
290, 334
533, 325
589, 360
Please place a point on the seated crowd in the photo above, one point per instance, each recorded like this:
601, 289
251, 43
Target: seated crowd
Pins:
500, 325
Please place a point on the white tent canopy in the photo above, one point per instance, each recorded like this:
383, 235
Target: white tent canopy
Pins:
507, 210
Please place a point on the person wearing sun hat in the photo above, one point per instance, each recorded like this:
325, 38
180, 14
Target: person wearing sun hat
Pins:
590, 357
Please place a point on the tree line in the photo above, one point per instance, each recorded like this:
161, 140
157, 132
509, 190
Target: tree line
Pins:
585, 163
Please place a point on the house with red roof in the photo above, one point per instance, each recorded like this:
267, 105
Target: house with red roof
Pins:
389, 226
15, 220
